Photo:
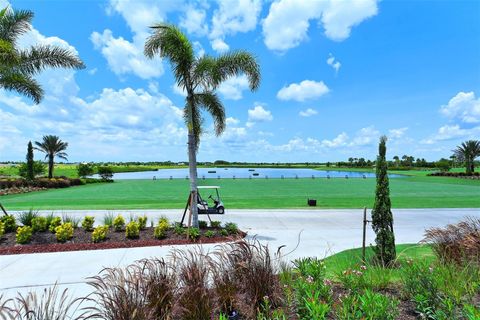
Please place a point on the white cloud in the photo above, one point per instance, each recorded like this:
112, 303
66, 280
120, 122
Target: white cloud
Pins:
365, 136
397, 133
308, 113
464, 107
232, 88
288, 21
339, 141
305, 90
259, 114
180, 91
335, 64
92, 71
231, 17
232, 121
451, 132
194, 22
198, 48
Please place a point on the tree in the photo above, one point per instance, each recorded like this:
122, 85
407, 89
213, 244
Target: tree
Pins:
443, 164
30, 175
199, 77
382, 217
53, 147
397, 161
38, 169
19, 66
467, 152
106, 173
84, 169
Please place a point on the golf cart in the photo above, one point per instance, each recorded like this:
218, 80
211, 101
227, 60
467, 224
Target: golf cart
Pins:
202, 205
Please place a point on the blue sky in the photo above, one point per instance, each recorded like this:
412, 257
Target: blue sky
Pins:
335, 76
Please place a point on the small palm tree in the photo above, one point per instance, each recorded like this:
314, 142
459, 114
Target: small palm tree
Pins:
19, 66
467, 152
199, 77
53, 147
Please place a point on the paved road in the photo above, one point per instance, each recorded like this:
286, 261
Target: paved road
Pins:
303, 232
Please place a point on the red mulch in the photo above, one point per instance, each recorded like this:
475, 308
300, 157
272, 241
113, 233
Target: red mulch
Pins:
82, 240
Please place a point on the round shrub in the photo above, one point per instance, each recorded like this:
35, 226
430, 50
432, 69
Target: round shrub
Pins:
118, 223
160, 232
210, 234
64, 232
193, 234
54, 223
99, 234
9, 223
164, 220
215, 224
231, 227
132, 230
224, 232
142, 222
87, 223
24, 234
39, 224
202, 224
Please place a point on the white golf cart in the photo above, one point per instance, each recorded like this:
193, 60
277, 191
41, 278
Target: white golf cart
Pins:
202, 205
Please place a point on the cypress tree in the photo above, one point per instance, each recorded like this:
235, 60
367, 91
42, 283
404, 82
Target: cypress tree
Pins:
382, 217
30, 171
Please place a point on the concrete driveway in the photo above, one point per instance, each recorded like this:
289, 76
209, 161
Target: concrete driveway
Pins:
302, 232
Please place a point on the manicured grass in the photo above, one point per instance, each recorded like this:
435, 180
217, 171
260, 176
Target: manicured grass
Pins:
352, 258
408, 192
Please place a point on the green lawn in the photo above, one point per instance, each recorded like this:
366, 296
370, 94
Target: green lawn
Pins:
407, 192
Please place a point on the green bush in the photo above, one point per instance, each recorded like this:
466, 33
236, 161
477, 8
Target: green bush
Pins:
9, 223
132, 230
160, 231
193, 234
202, 224
231, 227
142, 222
26, 217
39, 224
99, 234
54, 223
163, 219
118, 223
75, 221
106, 173
85, 169
215, 224
24, 234
210, 234
224, 232
87, 223
64, 232
2, 229
178, 229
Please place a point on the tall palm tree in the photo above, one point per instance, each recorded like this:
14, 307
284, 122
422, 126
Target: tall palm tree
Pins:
53, 147
467, 152
19, 66
199, 77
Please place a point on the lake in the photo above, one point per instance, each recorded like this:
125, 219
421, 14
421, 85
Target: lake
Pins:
243, 173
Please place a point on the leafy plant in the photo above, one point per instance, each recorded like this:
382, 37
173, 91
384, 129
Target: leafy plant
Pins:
100, 233
224, 232
26, 217
87, 223
38, 167
74, 221
118, 223
368, 305
132, 230
2, 229
202, 224
470, 312
231, 228
39, 224
159, 232
85, 169
215, 224
64, 232
9, 223
210, 234
193, 234
24, 234
54, 223
105, 173
352, 279
164, 219
178, 229
142, 222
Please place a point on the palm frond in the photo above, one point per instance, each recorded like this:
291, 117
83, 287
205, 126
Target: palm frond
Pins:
23, 84
203, 72
212, 104
234, 63
37, 58
15, 23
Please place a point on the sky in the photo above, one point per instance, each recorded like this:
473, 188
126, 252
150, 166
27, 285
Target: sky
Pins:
336, 75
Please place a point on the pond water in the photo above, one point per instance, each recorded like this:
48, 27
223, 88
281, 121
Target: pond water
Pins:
243, 173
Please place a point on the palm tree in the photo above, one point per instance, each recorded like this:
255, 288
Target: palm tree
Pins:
467, 152
53, 147
199, 77
19, 66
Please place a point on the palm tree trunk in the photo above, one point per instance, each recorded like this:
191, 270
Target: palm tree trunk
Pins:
192, 165
50, 166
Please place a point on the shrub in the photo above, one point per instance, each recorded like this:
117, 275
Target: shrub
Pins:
38, 167
118, 223
352, 279
54, 223
142, 222
84, 169
210, 234
159, 232
87, 223
231, 228
106, 173
26, 217
64, 232
368, 305
224, 232
132, 230
99, 234
39, 224
9, 223
2, 229
24, 234
75, 221
164, 220
49, 218
178, 229
202, 224
215, 224
193, 234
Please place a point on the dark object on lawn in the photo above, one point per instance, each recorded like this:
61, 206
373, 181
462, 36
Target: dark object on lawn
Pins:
212, 171
251, 169
312, 202
346, 177
256, 174
328, 177
364, 177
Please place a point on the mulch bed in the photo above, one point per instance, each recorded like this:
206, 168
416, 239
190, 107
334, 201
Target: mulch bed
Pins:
82, 240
